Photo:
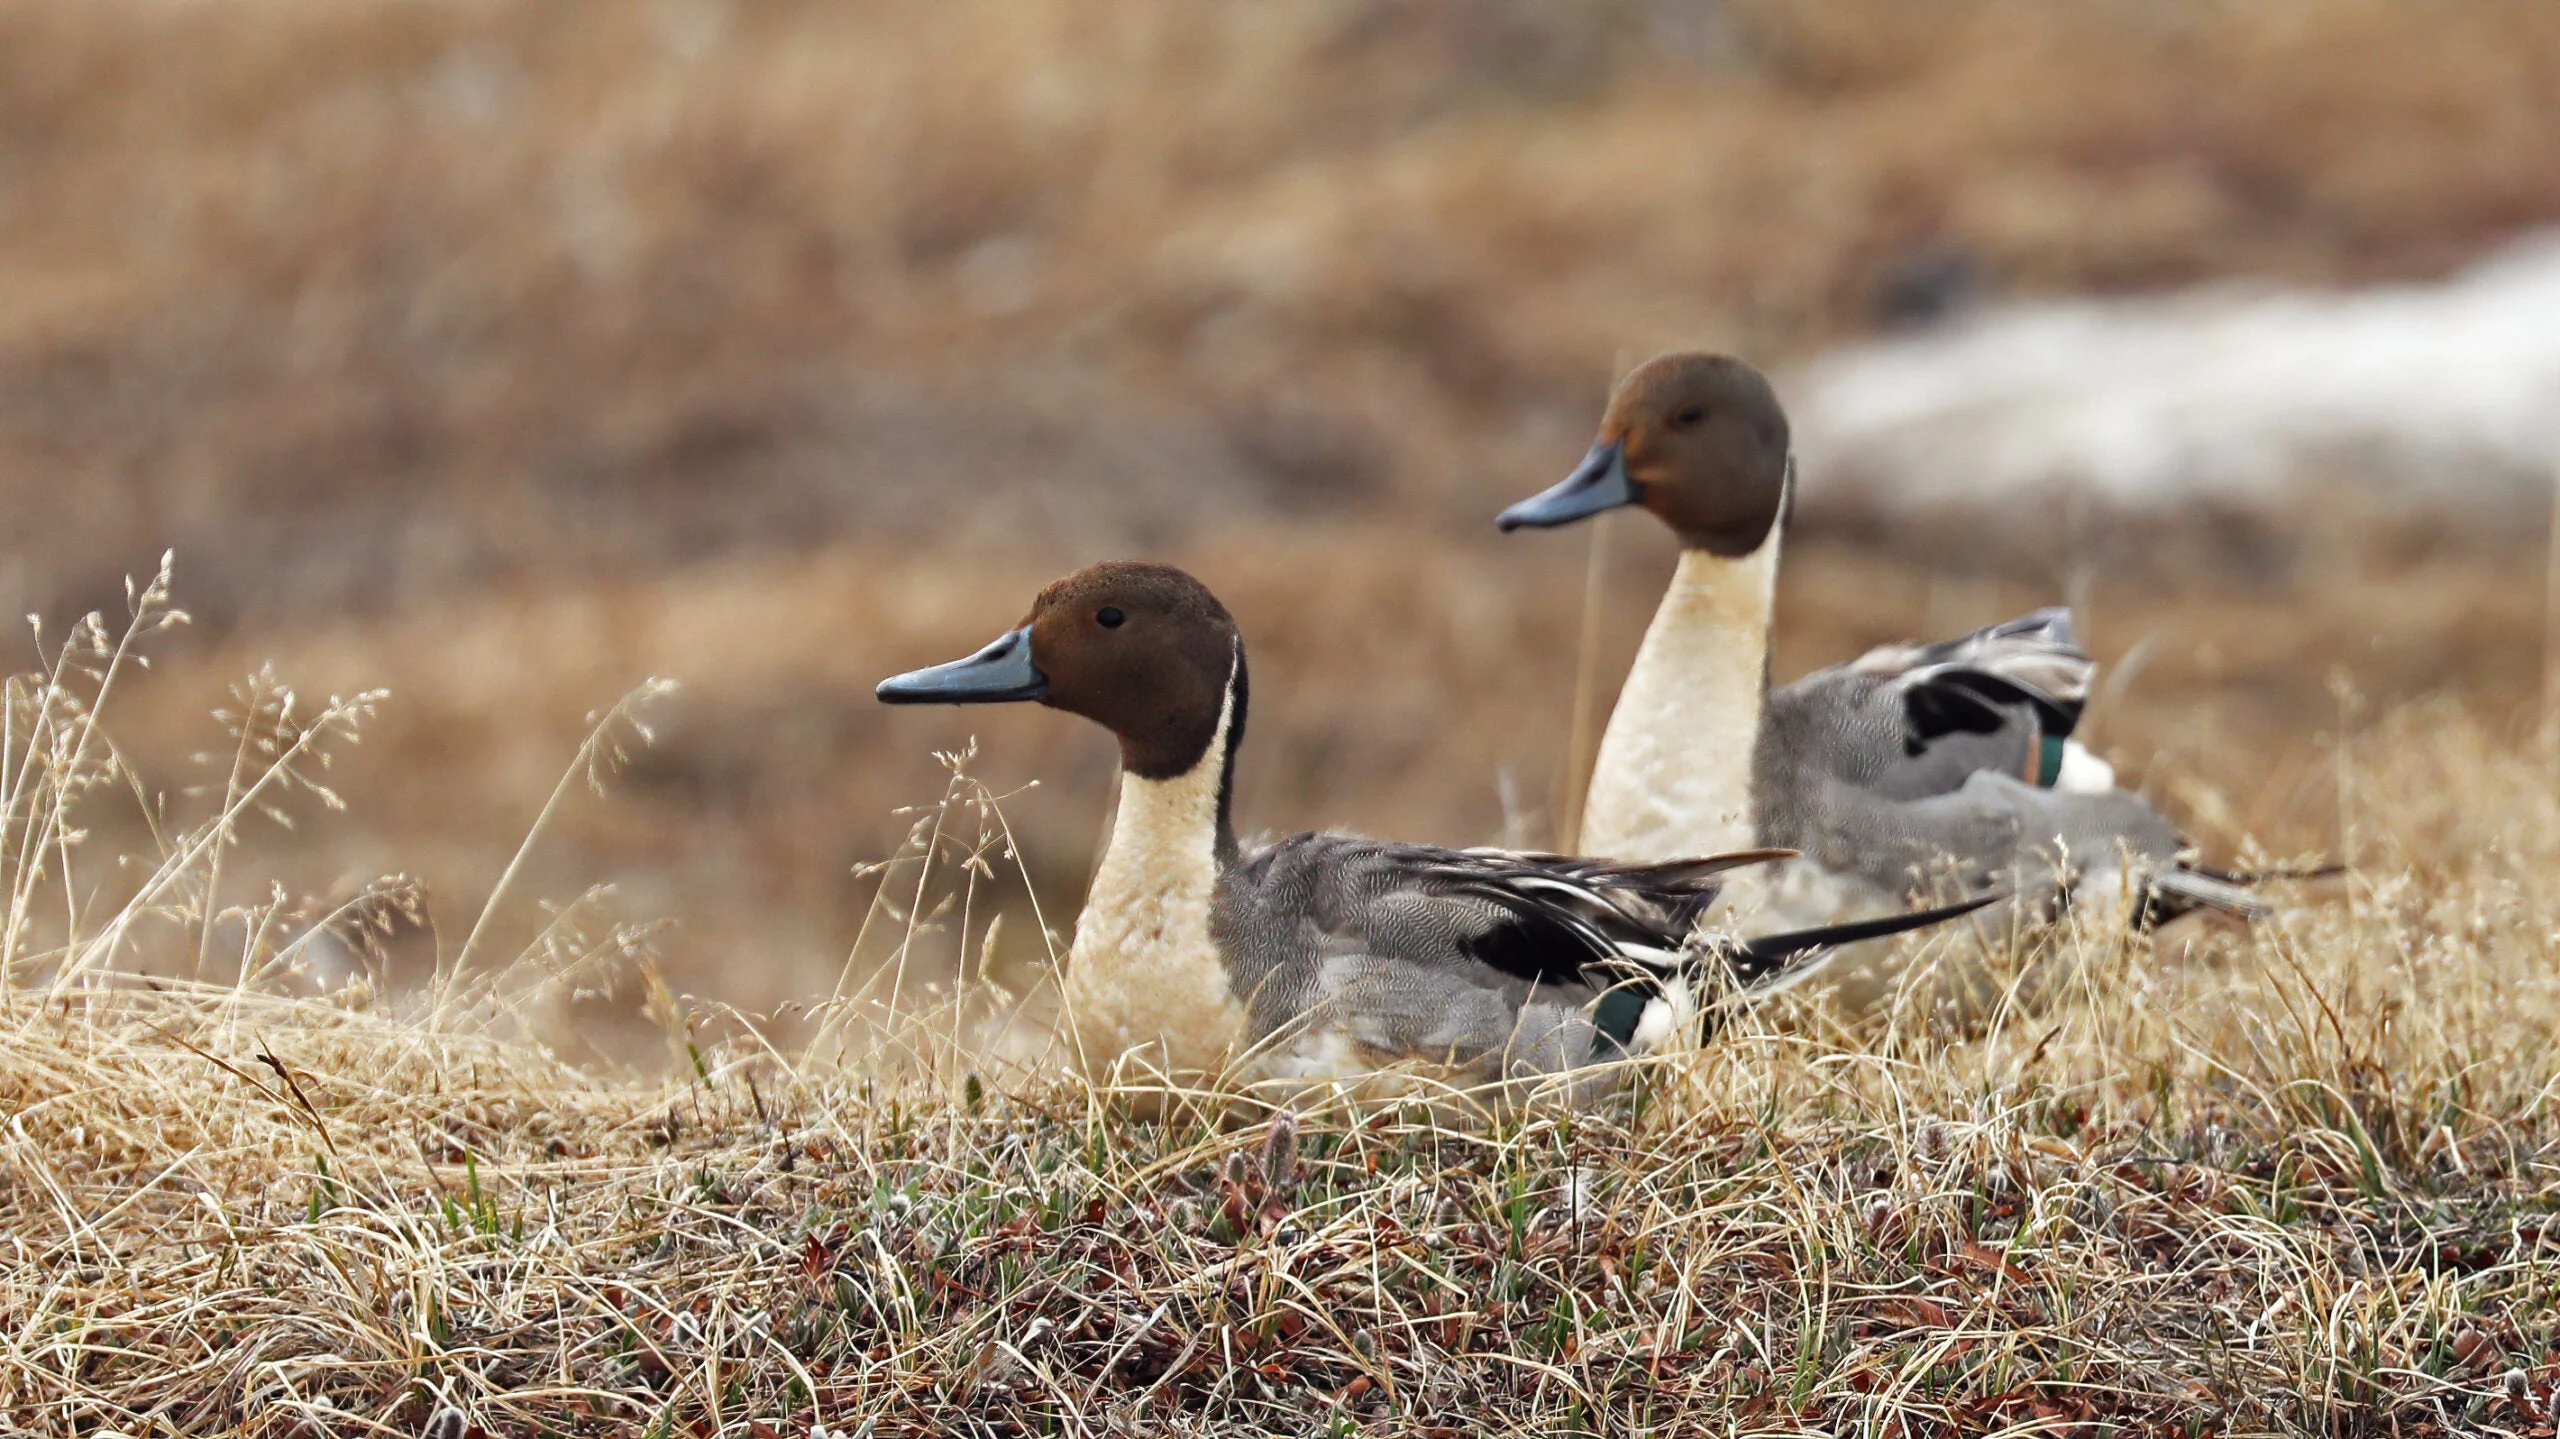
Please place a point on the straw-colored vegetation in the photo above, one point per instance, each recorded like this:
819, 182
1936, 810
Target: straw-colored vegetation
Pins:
2298, 1181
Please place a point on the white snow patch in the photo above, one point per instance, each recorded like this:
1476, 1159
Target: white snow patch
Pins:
2451, 388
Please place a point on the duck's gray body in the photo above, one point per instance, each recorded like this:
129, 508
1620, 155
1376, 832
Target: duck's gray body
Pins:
1912, 721
1352, 953
1916, 768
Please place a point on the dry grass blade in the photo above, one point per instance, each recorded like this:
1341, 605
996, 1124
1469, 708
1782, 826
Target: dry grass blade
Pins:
603, 750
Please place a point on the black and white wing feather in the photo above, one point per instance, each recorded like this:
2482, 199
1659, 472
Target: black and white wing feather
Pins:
1979, 679
1561, 921
1910, 721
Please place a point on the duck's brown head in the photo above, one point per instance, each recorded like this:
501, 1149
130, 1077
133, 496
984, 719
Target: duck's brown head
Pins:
1698, 439
1143, 650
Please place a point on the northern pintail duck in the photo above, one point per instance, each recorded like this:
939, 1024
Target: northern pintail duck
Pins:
1328, 957
1884, 771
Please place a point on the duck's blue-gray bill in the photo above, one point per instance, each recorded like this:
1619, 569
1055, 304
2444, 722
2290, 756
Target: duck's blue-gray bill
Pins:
1002, 671
1599, 483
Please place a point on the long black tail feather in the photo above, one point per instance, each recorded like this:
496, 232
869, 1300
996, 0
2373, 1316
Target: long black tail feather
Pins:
1756, 961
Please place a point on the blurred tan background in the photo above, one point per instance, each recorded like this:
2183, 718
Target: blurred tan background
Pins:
504, 353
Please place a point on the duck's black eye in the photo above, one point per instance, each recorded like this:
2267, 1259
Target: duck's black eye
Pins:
1110, 617
1689, 415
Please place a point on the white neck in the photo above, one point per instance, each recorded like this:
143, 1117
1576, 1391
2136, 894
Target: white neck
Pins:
1673, 778
1144, 973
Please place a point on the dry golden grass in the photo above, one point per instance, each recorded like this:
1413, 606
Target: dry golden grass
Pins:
2301, 1181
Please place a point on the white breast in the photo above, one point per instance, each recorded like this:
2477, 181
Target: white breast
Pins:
1673, 777
1146, 991
2083, 772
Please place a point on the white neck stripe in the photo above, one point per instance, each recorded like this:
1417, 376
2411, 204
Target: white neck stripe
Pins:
1145, 972
1673, 777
